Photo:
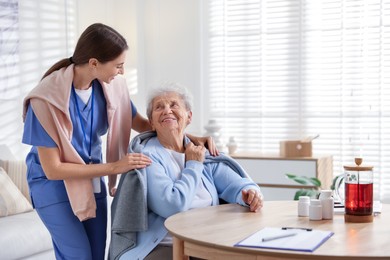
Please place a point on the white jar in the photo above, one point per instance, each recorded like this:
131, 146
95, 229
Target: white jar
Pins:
232, 145
315, 210
327, 204
303, 206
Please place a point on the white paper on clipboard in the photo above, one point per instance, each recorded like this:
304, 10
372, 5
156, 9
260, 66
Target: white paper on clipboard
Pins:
303, 239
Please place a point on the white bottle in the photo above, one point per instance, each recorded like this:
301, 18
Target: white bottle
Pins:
315, 210
303, 206
327, 204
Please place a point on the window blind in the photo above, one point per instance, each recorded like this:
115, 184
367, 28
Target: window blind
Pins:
34, 35
285, 70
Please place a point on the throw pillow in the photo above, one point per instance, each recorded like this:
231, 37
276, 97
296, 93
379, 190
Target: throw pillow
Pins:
12, 200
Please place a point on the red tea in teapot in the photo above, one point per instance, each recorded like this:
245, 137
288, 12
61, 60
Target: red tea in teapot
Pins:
358, 190
358, 199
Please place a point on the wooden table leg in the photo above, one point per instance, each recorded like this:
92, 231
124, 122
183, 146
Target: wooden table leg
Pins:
178, 249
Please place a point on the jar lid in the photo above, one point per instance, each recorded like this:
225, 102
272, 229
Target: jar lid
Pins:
358, 166
304, 199
324, 194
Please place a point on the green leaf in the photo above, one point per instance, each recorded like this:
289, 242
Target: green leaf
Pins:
332, 187
298, 179
316, 182
290, 176
304, 180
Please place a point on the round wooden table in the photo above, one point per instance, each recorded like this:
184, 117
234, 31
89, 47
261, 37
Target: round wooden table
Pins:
211, 233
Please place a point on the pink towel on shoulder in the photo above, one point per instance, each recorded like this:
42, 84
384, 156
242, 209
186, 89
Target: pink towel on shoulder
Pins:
51, 99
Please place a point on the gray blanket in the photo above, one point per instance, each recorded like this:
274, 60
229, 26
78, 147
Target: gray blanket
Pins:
129, 213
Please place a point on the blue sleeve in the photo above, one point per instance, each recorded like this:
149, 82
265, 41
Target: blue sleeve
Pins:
133, 110
166, 196
33, 133
229, 183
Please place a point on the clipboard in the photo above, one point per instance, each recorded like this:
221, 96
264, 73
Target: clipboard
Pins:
286, 238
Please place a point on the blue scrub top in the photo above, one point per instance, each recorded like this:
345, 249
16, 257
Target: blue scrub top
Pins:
34, 134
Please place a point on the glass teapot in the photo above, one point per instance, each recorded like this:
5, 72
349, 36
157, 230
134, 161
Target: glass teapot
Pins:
358, 192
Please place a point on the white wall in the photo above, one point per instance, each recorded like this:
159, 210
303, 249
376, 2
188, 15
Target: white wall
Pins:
165, 45
164, 40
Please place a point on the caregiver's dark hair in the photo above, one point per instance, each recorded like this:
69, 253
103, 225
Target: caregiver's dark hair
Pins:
98, 41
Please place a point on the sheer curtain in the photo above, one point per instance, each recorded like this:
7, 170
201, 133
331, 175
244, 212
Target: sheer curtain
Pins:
279, 70
34, 35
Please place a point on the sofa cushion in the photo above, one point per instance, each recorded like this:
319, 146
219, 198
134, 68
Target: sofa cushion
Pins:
17, 170
12, 200
23, 235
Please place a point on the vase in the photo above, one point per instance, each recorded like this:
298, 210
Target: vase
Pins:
213, 130
232, 145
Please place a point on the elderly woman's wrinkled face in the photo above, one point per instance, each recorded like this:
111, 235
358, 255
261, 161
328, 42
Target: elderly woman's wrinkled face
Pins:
170, 113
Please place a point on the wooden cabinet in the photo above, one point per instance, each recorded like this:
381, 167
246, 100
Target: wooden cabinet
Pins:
269, 172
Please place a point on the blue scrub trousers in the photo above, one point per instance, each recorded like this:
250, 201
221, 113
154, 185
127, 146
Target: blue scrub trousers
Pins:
73, 239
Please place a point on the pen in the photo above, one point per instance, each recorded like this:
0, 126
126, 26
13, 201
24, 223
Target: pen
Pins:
265, 239
307, 229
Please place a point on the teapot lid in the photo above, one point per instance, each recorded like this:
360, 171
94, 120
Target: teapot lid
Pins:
358, 166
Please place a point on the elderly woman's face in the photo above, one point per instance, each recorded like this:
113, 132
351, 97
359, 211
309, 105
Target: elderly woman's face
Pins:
169, 113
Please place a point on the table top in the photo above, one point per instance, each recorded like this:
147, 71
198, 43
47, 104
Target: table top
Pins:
222, 226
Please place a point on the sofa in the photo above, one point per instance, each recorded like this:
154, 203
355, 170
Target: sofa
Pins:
23, 235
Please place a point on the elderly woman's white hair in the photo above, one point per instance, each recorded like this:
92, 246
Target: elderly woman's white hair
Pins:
166, 88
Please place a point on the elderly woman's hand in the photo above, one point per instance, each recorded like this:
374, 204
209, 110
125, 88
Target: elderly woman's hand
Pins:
253, 199
195, 152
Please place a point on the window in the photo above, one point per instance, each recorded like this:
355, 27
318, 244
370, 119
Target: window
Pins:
34, 35
285, 70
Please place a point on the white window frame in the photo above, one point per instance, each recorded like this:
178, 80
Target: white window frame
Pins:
355, 137
45, 33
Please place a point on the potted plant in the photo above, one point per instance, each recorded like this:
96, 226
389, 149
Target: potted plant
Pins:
313, 189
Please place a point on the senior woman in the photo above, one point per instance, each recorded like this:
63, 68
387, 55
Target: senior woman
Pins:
182, 175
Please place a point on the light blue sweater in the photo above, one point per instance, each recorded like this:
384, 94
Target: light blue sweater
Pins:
223, 177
